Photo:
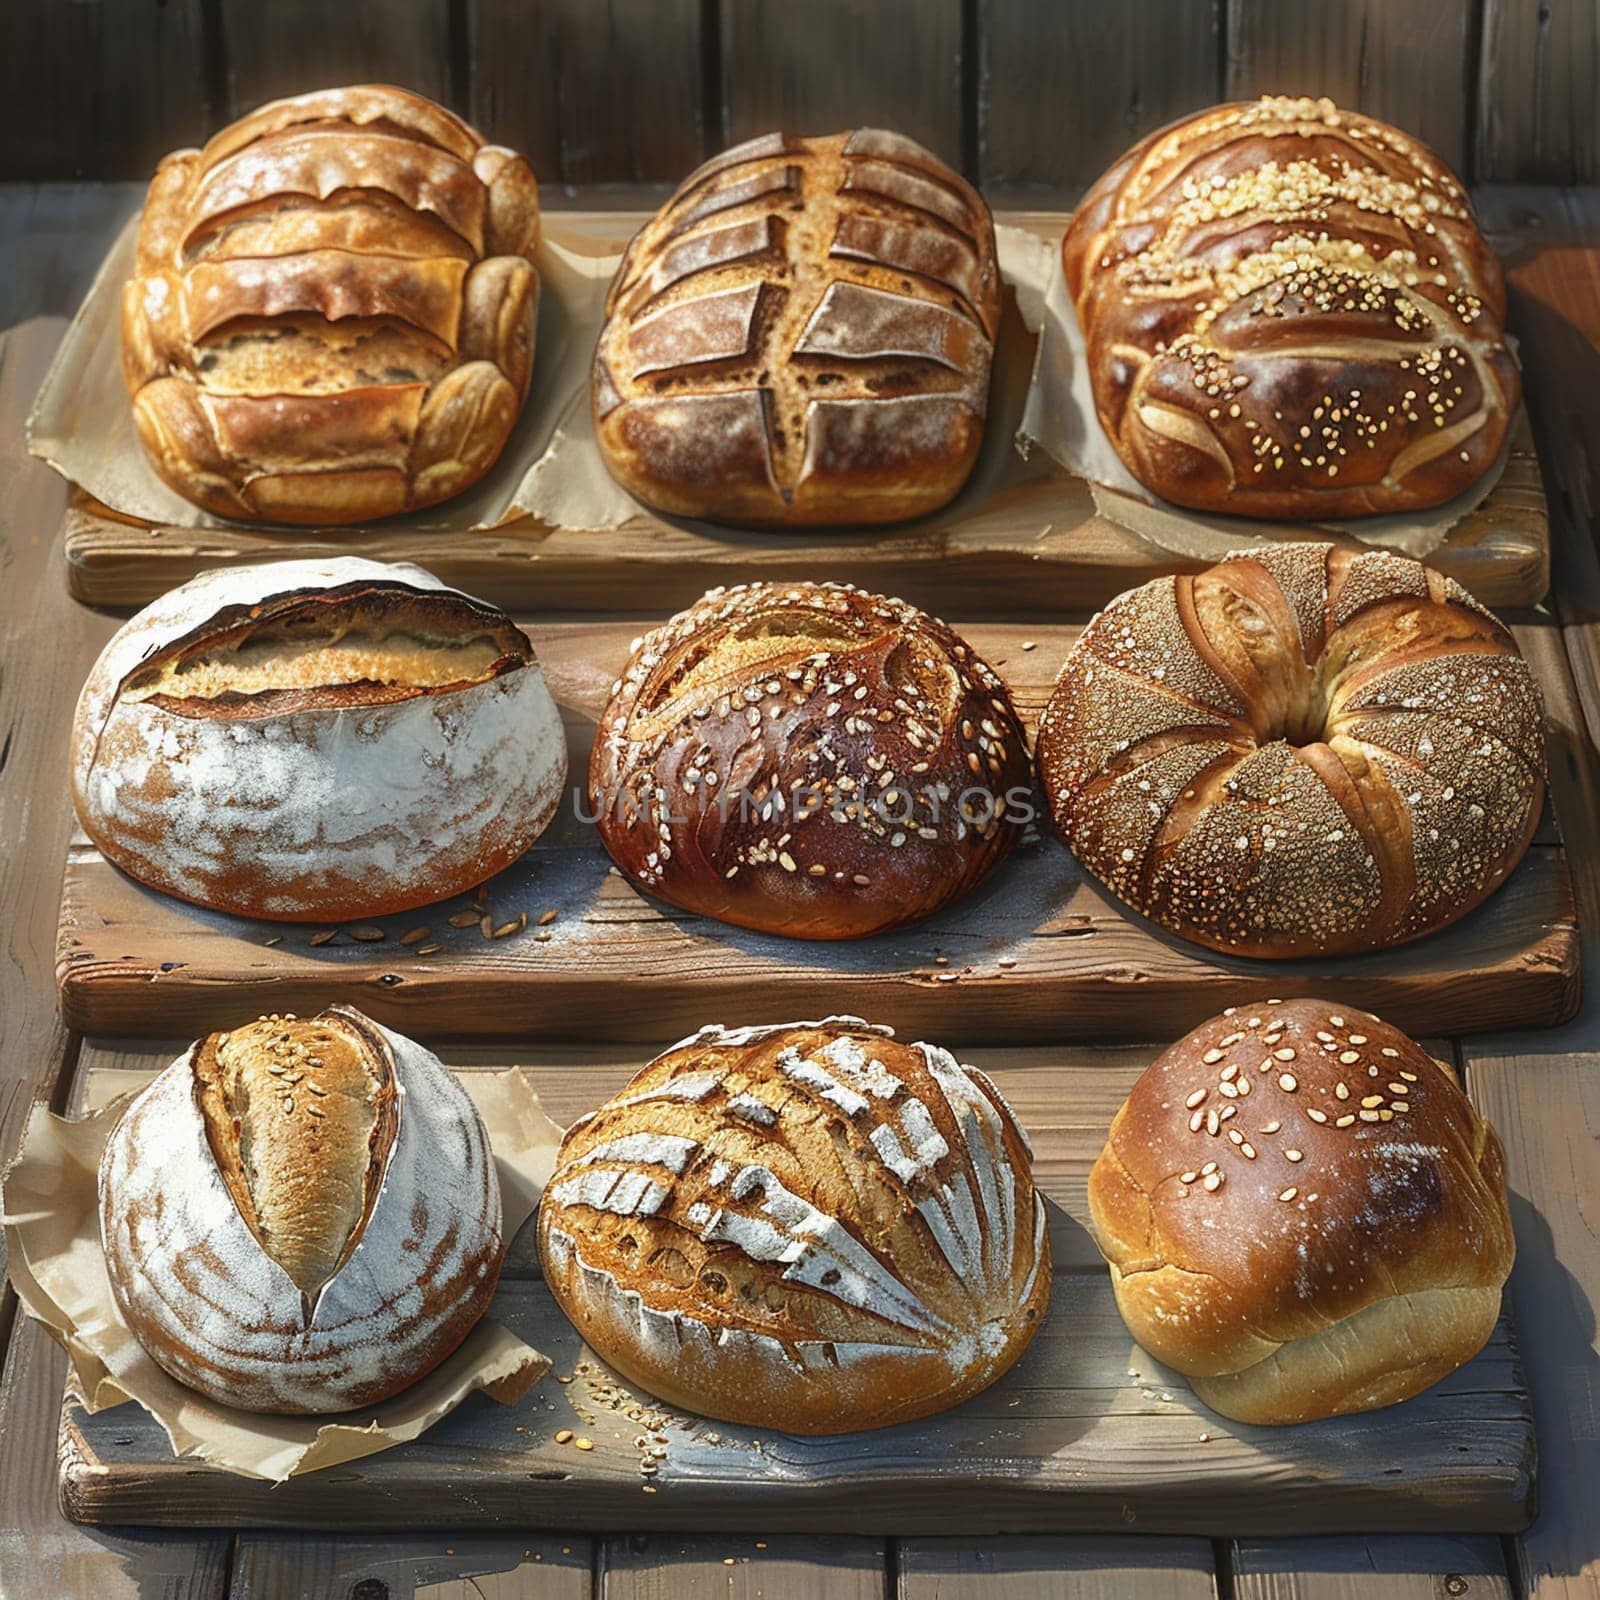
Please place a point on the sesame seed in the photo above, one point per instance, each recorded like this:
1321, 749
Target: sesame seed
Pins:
1197, 1098
1289, 1193
1288, 1082
1293, 1155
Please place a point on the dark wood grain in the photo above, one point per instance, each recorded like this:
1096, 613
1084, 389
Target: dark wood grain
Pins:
1538, 115
1092, 1567
616, 964
1064, 90
292, 46
1415, 1567
99, 88
829, 65
536, 68
742, 1567
1409, 62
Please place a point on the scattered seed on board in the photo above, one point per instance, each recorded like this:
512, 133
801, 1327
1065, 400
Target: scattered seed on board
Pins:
367, 933
324, 937
415, 935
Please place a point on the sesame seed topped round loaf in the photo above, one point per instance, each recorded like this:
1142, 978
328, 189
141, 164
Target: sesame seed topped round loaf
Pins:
1290, 313
802, 335
1300, 751
810, 1227
301, 1215
807, 759
1303, 1212
331, 316
316, 740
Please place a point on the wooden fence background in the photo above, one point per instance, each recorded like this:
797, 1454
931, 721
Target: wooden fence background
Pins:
1035, 94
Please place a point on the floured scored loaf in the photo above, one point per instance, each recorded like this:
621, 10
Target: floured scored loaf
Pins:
315, 741
331, 316
1299, 751
1303, 1212
301, 1215
1290, 312
810, 1227
808, 759
802, 335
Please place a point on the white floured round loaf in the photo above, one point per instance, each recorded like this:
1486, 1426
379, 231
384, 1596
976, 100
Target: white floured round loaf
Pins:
316, 740
301, 1215
811, 1227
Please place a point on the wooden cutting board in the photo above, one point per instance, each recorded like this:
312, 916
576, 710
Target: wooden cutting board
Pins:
1086, 1432
1038, 952
1025, 535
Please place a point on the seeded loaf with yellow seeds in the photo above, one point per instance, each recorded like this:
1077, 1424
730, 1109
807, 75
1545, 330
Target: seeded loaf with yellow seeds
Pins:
810, 1227
1302, 1212
1290, 313
1299, 751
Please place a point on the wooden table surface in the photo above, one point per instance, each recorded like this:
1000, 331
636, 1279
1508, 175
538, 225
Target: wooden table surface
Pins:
1541, 1088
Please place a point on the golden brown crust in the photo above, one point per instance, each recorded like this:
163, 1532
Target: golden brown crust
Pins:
1290, 313
802, 335
1300, 750
809, 760
1302, 1210
332, 317
810, 1227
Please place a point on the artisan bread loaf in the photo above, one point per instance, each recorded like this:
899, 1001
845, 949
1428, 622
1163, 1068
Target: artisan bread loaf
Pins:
1300, 751
809, 1227
315, 741
1289, 312
1303, 1212
807, 759
301, 1215
331, 316
802, 335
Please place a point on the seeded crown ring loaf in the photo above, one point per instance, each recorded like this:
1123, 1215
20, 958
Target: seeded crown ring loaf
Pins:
1289, 312
809, 1227
1302, 1211
1299, 751
809, 760
301, 1215
802, 335
331, 316
313, 741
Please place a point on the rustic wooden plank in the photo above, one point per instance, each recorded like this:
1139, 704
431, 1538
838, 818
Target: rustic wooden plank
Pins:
1064, 90
293, 46
474, 1566
1388, 1567
1024, 535
537, 76
1091, 1567
615, 964
100, 88
835, 64
1407, 61
785, 1567
1538, 117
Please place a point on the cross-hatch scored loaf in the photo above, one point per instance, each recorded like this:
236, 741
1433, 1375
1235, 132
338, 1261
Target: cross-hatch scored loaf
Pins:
331, 317
1299, 751
809, 1226
802, 334
807, 759
1290, 312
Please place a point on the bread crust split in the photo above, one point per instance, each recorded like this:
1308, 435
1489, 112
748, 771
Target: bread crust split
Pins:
802, 336
1303, 1212
316, 741
1290, 313
331, 317
1300, 751
302, 1216
809, 1227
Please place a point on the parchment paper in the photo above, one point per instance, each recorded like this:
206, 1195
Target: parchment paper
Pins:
1061, 420
50, 1207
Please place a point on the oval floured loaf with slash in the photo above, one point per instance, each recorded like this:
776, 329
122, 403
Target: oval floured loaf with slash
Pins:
810, 1227
316, 740
802, 335
1304, 1213
808, 759
1289, 312
1300, 751
301, 1215
331, 317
